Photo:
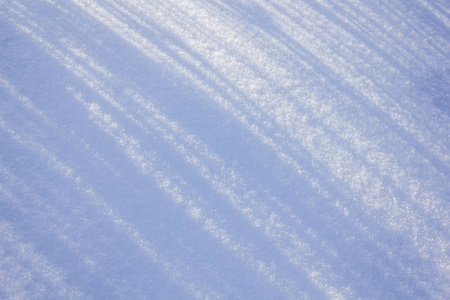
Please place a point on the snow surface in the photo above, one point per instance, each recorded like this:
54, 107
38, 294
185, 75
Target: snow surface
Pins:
236, 149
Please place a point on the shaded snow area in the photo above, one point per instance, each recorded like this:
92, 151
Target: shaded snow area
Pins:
224, 149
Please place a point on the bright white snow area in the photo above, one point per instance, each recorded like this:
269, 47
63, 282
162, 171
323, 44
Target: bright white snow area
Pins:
224, 149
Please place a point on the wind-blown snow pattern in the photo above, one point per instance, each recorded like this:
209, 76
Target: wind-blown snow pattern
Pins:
224, 149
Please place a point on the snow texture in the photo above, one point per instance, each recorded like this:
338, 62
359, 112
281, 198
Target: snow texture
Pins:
224, 149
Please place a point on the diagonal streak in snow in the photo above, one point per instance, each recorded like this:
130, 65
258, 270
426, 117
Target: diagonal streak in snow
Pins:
330, 90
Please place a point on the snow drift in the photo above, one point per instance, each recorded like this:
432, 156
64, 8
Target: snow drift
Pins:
224, 149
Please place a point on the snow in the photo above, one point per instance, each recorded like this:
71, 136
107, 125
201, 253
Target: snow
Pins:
239, 149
